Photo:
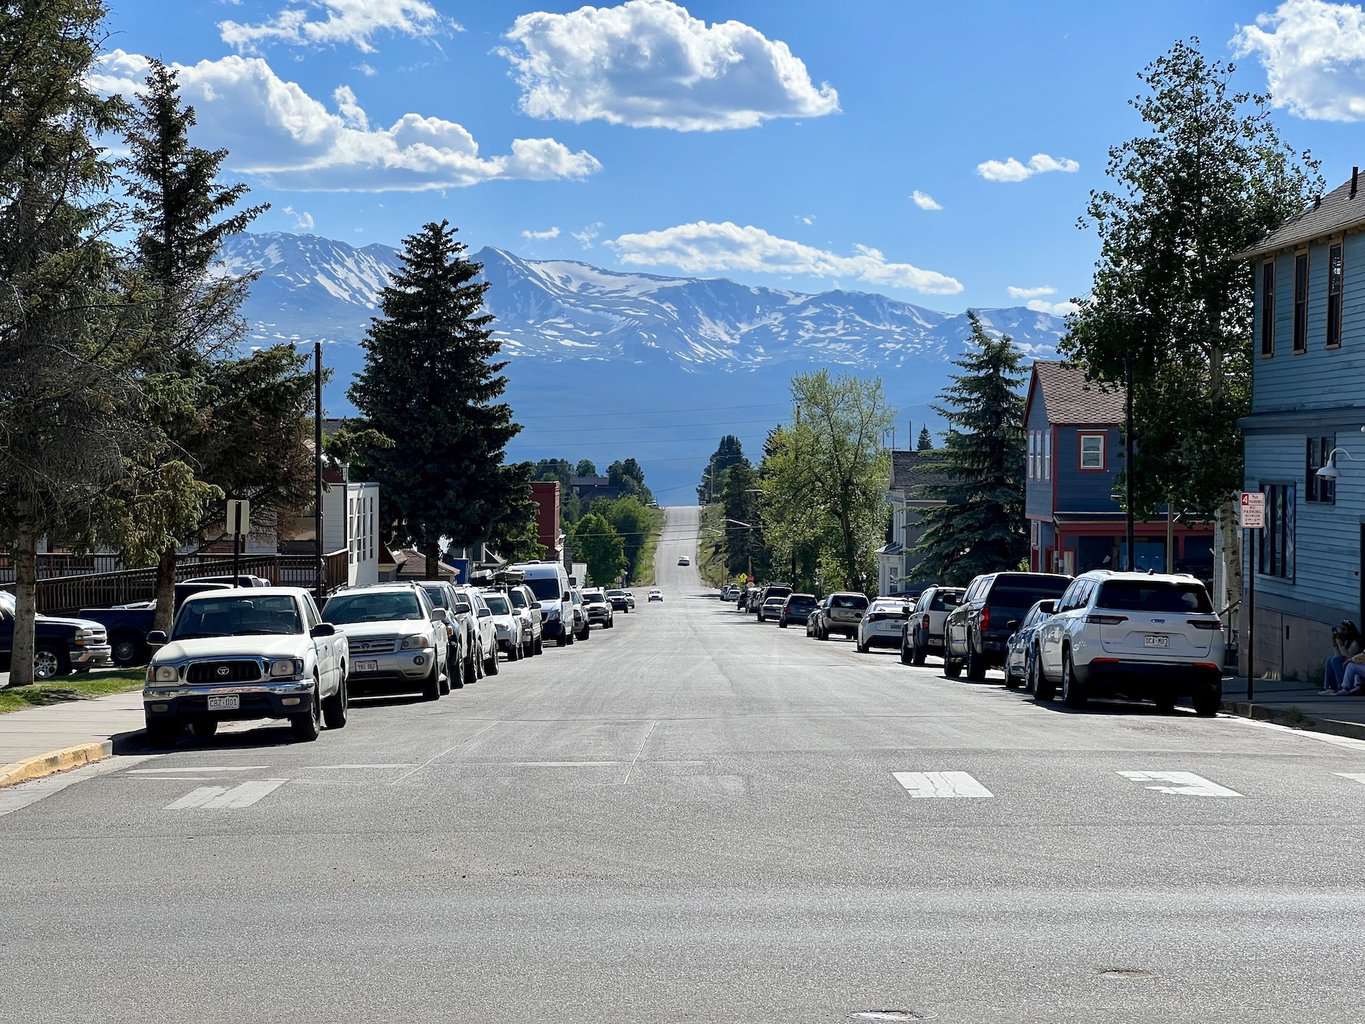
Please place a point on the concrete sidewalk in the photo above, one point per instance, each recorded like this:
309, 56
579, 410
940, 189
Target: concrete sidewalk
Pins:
1287, 702
40, 741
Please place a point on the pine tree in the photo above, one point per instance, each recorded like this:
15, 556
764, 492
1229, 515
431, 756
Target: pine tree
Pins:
431, 383
926, 441
980, 527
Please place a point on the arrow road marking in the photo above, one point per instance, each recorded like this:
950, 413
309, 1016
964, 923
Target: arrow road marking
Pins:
942, 784
218, 798
1180, 783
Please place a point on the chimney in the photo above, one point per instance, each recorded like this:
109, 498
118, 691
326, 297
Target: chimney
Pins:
1355, 175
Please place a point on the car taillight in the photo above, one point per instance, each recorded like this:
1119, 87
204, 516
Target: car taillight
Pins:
924, 623
1205, 624
1105, 620
985, 620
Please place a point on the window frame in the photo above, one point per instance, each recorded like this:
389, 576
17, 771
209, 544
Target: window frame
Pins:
1276, 547
1335, 300
1301, 285
1081, 437
1268, 308
1047, 454
1317, 491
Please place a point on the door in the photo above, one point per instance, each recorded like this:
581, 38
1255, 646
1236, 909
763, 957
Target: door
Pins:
1360, 574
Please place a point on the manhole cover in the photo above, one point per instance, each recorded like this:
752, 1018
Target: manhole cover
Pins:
1125, 973
892, 1015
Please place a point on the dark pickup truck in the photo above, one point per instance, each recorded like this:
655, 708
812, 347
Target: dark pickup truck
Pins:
60, 645
129, 624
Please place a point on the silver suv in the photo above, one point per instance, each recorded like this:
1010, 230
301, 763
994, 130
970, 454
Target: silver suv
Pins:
1139, 634
923, 634
397, 638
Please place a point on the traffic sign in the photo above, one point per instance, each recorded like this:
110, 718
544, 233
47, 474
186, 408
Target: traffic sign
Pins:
238, 517
1251, 510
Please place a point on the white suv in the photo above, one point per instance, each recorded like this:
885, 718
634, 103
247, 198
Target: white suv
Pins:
1140, 634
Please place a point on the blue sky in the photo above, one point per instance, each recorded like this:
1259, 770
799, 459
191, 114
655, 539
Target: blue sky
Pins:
782, 148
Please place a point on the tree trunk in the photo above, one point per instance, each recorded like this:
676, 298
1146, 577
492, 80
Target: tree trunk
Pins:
25, 607
433, 554
165, 591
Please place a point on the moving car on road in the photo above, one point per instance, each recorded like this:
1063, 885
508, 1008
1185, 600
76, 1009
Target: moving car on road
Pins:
840, 614
550, 583
684, 560
977, 630
924, 630
397, 638
621, 600
656, 595
507, 632
796, 609
598, 608
1023, 643
1146, 636
883, 624
59, 645
243, 654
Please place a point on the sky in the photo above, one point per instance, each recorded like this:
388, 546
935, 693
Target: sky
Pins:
938, 153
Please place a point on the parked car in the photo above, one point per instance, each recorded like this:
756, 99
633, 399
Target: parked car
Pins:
771, 609
1153, 636
397, 638
977, 630
581, 628
684, 560
656, 594
598, 609
764, 596
1023, 643
924, 630
883, 624
59, 645
459, 632
485, 633
796, 608
813, 622
507, 631
621, 600
746, 596
127, 625
243, 580
528, 610
840, 614
243, 654
550, 584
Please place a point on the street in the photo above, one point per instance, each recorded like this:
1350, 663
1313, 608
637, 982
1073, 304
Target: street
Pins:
697, 817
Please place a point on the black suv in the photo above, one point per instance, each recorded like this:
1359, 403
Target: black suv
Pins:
976, 635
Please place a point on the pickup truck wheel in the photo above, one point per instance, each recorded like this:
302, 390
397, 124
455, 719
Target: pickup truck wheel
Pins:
1073, 694
163, 732
431, 685
127, 650
919, 655
334, 707
307, 726
976, 665
49, 662
204, 728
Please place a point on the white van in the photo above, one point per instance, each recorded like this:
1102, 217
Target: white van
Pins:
550, 584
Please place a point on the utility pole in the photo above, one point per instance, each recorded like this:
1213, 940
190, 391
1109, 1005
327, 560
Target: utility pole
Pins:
1128, 459
320, 579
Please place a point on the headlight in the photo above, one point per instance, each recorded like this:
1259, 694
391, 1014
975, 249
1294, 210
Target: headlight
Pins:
286, 668
416, 642
167, 674
550, 613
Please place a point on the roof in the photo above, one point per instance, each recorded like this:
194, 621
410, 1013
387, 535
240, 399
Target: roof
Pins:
916, 471
1338, 211
1069, 398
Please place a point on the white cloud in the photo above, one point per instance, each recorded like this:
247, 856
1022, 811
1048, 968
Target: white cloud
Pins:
925, 201
807, 219
1030, 293
366, 69
539, 236
586, 235
1313, 53
347, 21
650, 64
1055, 308
280, 134
1012, 170
702, 247
303, 220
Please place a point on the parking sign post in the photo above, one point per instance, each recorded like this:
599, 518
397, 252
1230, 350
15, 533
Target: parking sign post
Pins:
238, 523
1251, 513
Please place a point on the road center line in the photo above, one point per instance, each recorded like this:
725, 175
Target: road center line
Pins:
1181, 784
942, 784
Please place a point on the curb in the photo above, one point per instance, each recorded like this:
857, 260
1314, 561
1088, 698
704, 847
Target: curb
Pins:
1293, 719
55, 761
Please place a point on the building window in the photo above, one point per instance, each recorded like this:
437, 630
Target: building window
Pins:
1301, 302
1277, 539
1335, 270
1092, 451
1032, 454
1316, 489
1268, 308
1047, 455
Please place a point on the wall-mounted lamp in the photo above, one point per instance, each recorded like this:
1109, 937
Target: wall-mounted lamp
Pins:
1330, 471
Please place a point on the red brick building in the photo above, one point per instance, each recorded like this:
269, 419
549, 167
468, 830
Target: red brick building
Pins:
545, 493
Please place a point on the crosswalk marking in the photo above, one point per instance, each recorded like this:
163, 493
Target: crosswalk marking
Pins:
1354, 776
218, 798
1180, 783
196, 769
942, 784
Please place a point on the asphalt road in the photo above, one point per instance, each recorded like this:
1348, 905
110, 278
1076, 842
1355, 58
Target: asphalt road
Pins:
696, 817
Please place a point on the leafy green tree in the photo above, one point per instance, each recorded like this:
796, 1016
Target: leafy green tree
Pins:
553, 469
628, 475
600, 546
980, 527
585, 467
926, 441
1170, 304
432, 350
632, 521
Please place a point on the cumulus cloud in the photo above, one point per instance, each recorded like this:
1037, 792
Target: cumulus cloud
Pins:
702, 247
355, 22
650, 64
1012, 170
1031, 293
925, 201
277, 132
540, 236
303, 220
1313, 53
806, 218
1055, 308
586, 235
367, 69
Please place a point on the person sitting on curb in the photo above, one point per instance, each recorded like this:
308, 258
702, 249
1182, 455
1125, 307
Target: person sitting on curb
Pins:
1346, 639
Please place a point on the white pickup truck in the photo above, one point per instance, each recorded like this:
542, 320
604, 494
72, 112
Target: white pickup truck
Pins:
244, 654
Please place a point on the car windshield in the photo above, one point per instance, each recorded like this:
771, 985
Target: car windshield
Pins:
497, 604
379, 606
1154, 596
546, 588
594, 598
517, 598
854, 601
616, 593
238, 615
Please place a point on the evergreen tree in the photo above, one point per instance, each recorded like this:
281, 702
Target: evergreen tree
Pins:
599, 545
980, 527
712, 484
430, 384
925, 442
585, 467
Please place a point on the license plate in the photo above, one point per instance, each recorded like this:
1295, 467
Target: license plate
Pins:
232, 703
367, 666
1156, 641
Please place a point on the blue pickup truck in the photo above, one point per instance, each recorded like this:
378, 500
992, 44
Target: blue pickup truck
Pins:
60, 645
129, 624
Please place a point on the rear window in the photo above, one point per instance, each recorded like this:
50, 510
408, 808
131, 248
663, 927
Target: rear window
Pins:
944, 600
855, 601
1015, 592
801, 601
889, 610
497, 604
1154, 596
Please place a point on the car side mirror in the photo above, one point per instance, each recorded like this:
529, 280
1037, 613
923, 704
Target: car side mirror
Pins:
1012, 625
322, 629
157, 638
440, 615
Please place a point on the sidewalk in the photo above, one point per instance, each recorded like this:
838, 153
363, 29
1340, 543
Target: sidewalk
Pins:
1287, 702
41, 741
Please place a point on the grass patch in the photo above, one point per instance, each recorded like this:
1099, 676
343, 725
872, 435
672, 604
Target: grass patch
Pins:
69, 688
644, 568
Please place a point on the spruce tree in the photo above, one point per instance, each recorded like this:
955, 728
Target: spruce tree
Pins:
431, 383
926, 441
980, 527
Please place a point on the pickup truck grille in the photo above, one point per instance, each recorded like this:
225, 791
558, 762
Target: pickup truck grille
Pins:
213, 672
373, 645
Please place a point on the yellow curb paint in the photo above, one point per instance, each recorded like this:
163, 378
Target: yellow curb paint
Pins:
54, 761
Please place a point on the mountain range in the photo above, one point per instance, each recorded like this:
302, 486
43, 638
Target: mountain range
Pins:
589, 339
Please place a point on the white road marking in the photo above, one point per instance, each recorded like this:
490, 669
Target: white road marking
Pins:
196, 798
401, 764
1354, 776
12, 798
1180, 783
942, 784
643, 743
436, 757
219, 798
197, 769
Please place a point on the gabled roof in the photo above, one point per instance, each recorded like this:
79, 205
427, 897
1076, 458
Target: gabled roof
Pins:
1068, 398
914, 472
1339, 211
